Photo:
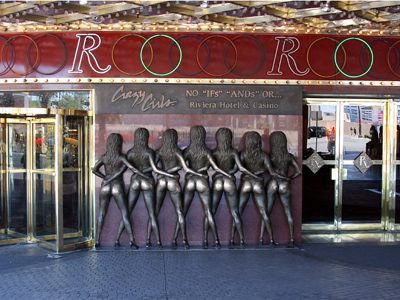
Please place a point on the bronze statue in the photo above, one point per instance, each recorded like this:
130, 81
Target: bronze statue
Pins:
281, 160
142, 157
227, 159
199, 159
115, 164
171, 159
257, 162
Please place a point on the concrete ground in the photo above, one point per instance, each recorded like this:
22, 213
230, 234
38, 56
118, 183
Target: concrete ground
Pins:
313, 271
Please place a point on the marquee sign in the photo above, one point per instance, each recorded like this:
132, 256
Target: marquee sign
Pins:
200, 55
198, 99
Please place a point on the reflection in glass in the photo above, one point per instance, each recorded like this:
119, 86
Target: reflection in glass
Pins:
44, 205
79, 100
362, 195
17, 146
71, 202
321, 135
70, 142
318, 196
17, 205
44, 143
363, 131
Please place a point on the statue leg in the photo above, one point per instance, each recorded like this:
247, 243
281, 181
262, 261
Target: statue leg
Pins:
272, 189
187, 200
205, 198
160, 195
119, 196
243, 199
133, 196
259, 198
216, 195
176, 198
232, 198
150, 206
104, 202
285, 196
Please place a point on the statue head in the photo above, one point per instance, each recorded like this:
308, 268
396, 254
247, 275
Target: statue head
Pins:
141, 137
114, 143
197, 135
170, 137
224, 138
253, 140
278, 142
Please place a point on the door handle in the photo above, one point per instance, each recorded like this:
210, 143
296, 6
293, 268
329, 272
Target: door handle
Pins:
335, 174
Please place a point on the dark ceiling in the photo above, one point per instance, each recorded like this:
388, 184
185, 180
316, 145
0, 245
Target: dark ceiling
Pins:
336, 17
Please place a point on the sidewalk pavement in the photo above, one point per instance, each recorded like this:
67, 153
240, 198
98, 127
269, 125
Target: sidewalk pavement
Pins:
313, 271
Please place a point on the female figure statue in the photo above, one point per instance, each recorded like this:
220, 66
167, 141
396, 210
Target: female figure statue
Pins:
171, 159
115, 164
227, 159
142, 157
257, 162
281, 160
199, 159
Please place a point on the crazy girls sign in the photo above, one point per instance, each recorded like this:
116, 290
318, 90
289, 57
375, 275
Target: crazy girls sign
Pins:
199, 55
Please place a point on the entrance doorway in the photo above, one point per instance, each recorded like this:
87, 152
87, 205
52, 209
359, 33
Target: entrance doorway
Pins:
44, 178
345, 177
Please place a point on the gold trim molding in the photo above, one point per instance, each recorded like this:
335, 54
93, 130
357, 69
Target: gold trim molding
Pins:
90, 80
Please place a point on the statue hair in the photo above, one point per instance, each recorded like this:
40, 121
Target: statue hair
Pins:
253, 149
197, 147
113, 150
279, 153
224, 139
169, 146
140, 144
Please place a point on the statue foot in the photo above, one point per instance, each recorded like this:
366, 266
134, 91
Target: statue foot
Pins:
231, 244
186, 245
205, 245
291, 244
97, 244
174, 244
242, 244
159, 245
133, 245
117, 244
272, 244
217, 244
148, 244
260, 243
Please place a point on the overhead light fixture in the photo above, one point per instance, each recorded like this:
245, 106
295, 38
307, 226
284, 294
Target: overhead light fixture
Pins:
204, 4
326, 7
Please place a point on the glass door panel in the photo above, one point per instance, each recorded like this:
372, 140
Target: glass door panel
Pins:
341, 194
17, 179
43, 175
76, 212
319, 207
362, 189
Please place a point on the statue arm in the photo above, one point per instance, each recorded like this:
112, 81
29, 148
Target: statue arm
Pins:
158, 171
132, 168
96, 168
185, 167
241, 167
296, 167
271, 170
216, 168
120, 171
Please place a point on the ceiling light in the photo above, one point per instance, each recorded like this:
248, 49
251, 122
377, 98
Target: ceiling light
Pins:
204, 4
325, 7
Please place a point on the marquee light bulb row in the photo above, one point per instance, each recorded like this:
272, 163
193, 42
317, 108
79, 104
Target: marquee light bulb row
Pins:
197, 27
198, 81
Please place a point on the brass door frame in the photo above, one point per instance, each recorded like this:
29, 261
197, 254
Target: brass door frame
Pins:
39, 115
340, 165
